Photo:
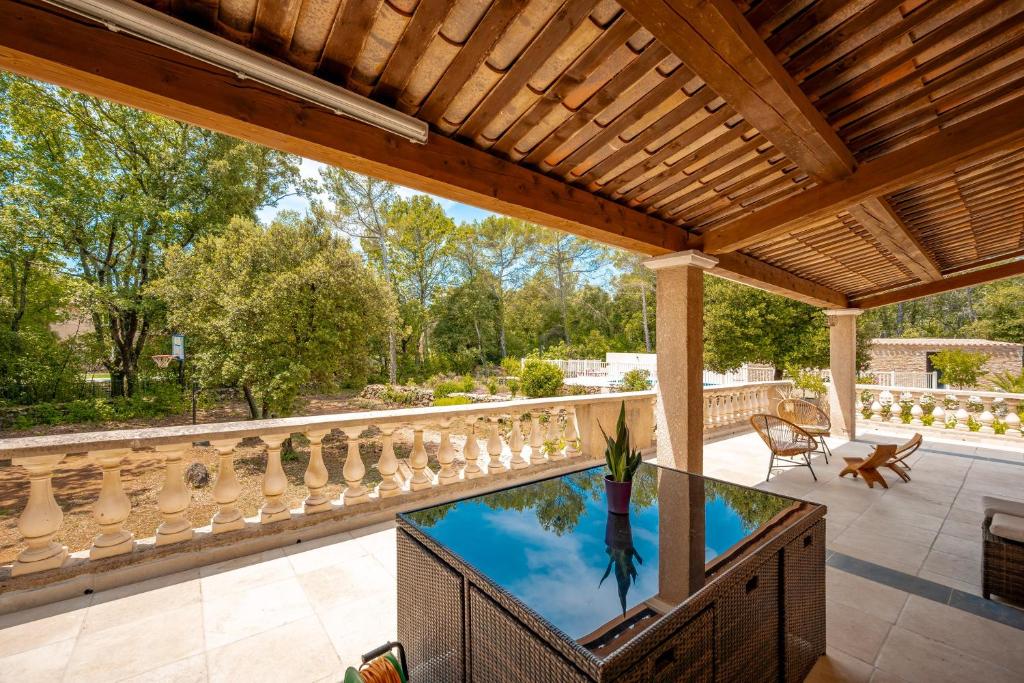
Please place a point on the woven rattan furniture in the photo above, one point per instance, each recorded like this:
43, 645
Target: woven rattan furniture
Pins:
809, 418
789, 444
1002, 554
541, 583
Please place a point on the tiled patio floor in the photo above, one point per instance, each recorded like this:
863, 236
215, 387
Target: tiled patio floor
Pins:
306, 612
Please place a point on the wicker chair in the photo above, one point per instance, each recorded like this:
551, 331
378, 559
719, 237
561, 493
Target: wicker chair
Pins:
810, 418
1002, 550
789, 443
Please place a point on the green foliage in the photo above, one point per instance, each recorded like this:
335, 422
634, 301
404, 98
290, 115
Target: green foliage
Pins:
621, 458
492, 386
959, 368
394, 394
451, 401
274, 309
462, 385
511, 366
101, 410
540, 379
1009, 382
636, 380
513, 386
928, 419
594, 346
754, 507
807, 380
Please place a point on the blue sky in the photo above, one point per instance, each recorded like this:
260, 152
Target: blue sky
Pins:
460, 213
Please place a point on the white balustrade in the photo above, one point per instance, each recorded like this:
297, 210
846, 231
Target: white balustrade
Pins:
985, 412
495, 444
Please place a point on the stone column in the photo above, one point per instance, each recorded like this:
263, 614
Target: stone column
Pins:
842, 390
40, 521
680, 410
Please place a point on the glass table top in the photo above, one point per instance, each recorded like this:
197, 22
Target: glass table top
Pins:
595, 575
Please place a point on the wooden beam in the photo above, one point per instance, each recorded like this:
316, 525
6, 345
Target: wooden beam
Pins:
749, 271
880, 219
967, 279
997, 130
125, 69
118, 67
737, 64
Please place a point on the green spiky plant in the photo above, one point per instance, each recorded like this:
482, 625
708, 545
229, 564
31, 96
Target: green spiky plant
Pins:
622, 460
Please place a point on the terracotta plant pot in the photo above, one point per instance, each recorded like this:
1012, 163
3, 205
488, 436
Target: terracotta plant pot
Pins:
618, 493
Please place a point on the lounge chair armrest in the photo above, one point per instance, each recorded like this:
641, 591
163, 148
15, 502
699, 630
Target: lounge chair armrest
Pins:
995, 505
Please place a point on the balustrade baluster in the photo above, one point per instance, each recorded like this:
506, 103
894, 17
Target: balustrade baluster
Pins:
388, 464
896, 412
471, 451
916, 412
275, 483
422, 476
354, 471
316, 476
1012, 419
494, 446
112, 508
537, 454
174, 497
876, 409
571, 434
40, 521
962, 416
554, 450
446, 457
987, 419
516, 443
226, 489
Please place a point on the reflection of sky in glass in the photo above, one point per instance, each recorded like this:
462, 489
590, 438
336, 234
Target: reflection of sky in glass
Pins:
558, 575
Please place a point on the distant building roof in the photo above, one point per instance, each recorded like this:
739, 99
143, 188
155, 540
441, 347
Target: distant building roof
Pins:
933, 341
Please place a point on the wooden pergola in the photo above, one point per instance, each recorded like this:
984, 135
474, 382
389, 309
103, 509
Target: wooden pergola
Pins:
845, 153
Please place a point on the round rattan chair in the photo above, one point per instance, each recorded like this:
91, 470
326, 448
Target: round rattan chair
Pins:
810, 418
789, 443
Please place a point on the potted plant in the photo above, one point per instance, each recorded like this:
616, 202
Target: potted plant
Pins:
622, 463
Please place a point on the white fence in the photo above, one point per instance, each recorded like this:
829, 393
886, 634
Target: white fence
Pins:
610, 374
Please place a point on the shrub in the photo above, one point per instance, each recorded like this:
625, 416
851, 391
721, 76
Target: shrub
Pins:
447, 387
395, 394
636, 380
928, 420
959, 368
511, 366
1009, 382
492, 386
513, 386
452, 401
540, 379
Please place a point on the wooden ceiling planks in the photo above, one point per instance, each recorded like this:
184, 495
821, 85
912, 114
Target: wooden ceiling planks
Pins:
724, 110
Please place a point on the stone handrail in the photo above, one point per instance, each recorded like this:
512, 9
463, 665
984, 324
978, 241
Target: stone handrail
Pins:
964, 410
729, 407
500, 437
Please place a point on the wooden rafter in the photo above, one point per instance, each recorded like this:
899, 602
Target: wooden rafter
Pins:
125, 69
967, 279
996, 130
716, 41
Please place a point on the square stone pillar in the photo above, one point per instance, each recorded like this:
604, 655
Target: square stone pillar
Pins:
842, 351
679, 415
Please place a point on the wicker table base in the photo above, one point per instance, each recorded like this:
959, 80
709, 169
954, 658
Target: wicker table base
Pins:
760, 619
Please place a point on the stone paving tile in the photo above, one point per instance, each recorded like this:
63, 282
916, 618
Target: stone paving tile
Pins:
299, 651
46, 663
854, 631
33, 628
917, 658
839, 667
872, 597
240, 615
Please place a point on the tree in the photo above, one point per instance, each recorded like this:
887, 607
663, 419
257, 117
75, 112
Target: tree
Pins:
358, 206
959, 368
466, 323
634, 281
747, 325
421, 245
117, 187
273, 309
567, 259
1000, 307
503, 248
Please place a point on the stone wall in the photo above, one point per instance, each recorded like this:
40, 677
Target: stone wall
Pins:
908, 358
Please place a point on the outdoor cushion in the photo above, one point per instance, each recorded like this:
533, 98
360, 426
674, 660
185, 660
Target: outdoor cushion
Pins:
993, 505
1007, 526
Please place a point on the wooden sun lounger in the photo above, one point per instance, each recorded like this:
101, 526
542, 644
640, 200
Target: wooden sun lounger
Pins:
867, 467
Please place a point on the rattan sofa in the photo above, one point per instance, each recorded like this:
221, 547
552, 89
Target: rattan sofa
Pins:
1003, 550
